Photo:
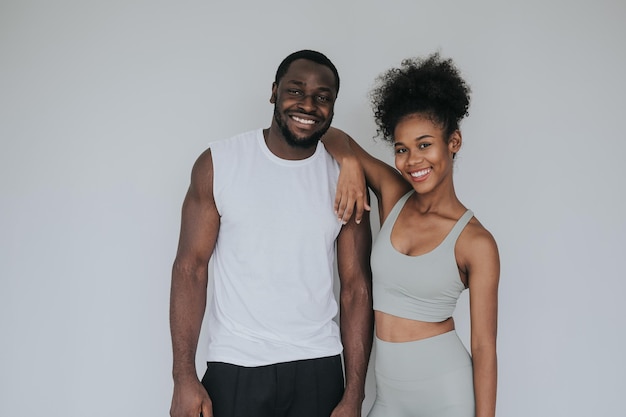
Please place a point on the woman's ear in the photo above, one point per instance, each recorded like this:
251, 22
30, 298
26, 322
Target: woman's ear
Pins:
454, 144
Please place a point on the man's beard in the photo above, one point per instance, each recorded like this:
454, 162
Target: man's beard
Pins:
298, 142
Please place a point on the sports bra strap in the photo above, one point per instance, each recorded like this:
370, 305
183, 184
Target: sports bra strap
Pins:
395, 210
460, 225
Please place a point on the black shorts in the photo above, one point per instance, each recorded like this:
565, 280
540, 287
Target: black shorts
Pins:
305, 388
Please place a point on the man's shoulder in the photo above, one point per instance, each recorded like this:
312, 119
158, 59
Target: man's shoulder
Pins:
229, 155
238, 139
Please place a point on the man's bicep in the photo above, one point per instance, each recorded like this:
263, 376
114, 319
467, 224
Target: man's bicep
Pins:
200, 219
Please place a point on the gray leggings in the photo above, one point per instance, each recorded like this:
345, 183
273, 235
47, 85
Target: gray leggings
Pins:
426, 378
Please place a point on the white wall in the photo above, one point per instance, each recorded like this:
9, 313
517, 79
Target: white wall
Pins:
104, 106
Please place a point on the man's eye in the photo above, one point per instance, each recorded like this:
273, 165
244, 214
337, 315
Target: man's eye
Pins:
323, 99
294, 92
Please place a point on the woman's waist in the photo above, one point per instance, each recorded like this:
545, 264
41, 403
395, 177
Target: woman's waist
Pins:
396, 329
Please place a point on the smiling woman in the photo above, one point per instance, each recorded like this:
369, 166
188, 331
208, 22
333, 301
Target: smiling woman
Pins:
422, 152
429, 250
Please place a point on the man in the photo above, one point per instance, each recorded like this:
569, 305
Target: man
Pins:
261, 205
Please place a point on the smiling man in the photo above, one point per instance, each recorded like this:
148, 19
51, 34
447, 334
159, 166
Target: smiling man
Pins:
303, 95
261, 206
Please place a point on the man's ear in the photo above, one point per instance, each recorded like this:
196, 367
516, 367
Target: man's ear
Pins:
455, 142
273, 97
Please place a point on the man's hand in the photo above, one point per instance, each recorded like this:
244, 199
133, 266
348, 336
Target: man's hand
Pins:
190, 399
352, 194
344, 409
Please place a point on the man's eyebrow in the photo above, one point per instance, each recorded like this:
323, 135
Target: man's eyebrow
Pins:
302, 84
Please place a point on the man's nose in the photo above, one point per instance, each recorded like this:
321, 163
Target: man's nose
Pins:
307, 103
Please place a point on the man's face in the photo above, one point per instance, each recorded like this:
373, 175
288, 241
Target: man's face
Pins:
304, 99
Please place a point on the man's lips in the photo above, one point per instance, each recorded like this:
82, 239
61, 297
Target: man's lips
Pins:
303, 120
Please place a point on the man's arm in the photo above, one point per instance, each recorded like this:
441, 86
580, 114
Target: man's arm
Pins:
199, 228
356, 315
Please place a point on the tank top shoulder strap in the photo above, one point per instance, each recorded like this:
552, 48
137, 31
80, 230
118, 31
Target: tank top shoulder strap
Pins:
395, 211
459, 226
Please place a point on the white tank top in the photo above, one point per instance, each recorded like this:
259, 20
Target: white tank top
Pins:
272, 284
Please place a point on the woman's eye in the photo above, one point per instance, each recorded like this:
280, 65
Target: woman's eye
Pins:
400, 150
423, 145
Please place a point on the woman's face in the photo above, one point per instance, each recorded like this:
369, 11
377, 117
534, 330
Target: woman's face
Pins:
422, 155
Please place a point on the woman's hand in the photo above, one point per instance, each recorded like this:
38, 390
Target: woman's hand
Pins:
352, 195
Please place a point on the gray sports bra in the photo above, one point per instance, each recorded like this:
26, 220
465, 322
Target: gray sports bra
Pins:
424, 287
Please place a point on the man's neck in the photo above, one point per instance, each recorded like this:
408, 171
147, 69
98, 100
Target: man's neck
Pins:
279, 146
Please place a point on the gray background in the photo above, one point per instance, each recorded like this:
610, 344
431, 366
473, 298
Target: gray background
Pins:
104, 106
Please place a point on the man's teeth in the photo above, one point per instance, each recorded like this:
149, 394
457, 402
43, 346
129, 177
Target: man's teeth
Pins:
305, 121
420, 173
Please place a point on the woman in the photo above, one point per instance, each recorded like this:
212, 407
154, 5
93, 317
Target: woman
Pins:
429, 249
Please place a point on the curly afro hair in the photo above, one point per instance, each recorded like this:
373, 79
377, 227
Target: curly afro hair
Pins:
428, 86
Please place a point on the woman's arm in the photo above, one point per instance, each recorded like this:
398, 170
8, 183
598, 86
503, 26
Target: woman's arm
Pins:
483, 272
386, 183
351, 195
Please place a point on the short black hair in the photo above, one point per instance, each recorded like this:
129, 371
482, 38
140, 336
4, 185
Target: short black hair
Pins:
430, 86
310, 55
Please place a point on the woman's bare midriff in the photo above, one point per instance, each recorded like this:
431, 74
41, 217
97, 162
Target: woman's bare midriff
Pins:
397, 329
